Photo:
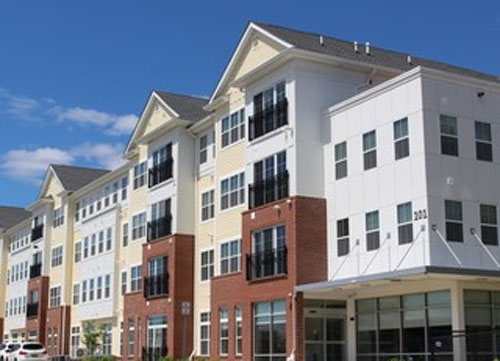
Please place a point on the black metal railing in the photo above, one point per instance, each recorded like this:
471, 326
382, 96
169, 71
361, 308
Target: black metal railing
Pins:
160, 227
267, 263
268, 119
154, 353
35, 270
268, 190
32, 309
156, 285
161, 172
37, 232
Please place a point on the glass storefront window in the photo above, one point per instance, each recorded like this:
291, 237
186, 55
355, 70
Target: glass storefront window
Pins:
270, 331
482, 324
412, 326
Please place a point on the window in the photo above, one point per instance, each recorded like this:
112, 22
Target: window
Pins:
140, 174
238, 321
55, 296
370, 150
109, 238
124, 282
78, 252
138, 226
343, 237
230, 256
135, 278
99, 288
270, 180
233, 191
484, 145
453, 215
401, 139
86, 247
76, 294
58, 217
481, 323
77, 212
207, 264
405, 225
223, 331
372, 231
125, 235
91, 289
449, 135
233, 128
270, 330
204, 333
270, 111
131, 337
107, 191
57, 256
207, 205
403, 325
84, 291
107, 338
75, 340
207, 147
93, 245
341, 160
488, 216
269, 253
124, 187
101, 242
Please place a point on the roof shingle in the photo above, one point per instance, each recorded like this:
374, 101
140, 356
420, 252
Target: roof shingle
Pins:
378, 56
74, 178
188, 107
10, 216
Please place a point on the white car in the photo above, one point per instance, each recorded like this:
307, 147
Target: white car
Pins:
28, 351
6, 349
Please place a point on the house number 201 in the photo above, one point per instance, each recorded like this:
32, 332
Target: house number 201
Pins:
420, 214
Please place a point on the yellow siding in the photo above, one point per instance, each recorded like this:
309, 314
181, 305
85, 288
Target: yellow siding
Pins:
157, 118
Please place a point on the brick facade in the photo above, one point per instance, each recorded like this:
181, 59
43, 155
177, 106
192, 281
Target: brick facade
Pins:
179, 250
305, 232
38, 323
58, 330
1, 329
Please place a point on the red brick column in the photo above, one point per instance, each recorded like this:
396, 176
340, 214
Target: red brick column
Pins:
38, 323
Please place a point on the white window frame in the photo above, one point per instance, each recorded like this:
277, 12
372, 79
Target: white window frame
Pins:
135, 283
230, 257
239, 127
209, 207
56, 256
139, 231
140, 174
209, 266
240, 190
55, 299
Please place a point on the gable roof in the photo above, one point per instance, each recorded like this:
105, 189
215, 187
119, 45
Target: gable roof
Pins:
378, 56
73, 178
10, 216
186, 106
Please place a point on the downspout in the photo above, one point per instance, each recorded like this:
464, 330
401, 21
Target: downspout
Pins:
294, 324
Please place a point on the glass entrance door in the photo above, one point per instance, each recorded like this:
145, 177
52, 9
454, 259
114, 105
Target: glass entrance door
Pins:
157, 338
325, 329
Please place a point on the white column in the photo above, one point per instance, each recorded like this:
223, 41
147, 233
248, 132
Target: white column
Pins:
351, 329
458, 321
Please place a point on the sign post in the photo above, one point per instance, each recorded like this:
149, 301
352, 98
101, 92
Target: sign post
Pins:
186, 311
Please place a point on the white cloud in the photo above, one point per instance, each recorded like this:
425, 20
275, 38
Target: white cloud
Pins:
108, 156
30, 109
30, 165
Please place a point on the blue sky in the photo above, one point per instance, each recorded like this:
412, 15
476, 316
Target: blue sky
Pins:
74, 75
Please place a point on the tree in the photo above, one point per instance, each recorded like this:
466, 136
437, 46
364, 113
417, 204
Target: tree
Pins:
92, 336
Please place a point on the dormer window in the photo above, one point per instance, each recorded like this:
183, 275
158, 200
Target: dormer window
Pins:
162, 165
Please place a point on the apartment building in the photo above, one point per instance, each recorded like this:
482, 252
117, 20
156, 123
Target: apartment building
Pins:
329, 201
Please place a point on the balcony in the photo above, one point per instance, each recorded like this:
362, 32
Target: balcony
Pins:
267, 264
35, 270
160, 227
37, 232
32, 309
160, 172
156, 285
268, 119
154, 353
268, 190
